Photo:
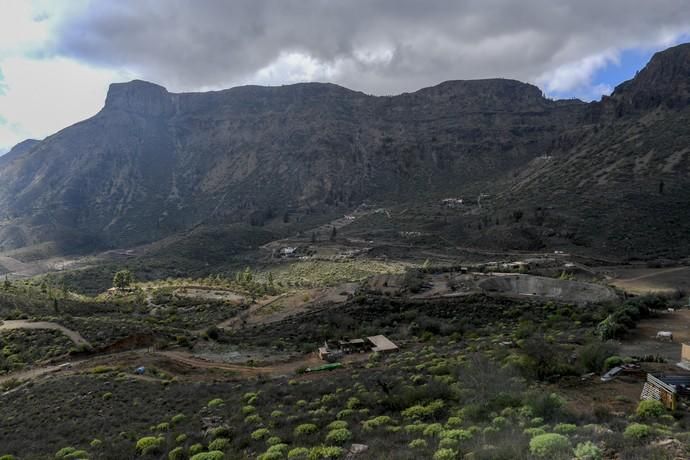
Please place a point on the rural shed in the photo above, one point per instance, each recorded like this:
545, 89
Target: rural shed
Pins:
666, 388
382, 344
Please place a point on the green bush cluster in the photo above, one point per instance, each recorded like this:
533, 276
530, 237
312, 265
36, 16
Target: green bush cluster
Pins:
549, 445
637, 431
149, 445
650, 409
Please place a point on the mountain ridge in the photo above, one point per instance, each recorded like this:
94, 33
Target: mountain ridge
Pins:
152, 163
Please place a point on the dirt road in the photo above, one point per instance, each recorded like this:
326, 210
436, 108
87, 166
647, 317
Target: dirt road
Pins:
23, 324
646, 280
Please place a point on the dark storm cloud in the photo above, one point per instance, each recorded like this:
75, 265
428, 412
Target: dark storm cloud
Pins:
378, 46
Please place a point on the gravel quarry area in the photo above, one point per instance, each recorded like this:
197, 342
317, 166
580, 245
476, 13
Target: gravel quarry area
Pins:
564, 290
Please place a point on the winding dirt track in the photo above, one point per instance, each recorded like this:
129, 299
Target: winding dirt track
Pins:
653, 274
276, 369
23, 324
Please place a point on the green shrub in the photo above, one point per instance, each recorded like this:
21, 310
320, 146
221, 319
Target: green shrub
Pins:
77, 455
415, 428
165, 426
565, 428
445, 454
549, 445
246, 410
96, 443
176, 454
650, 409
454, 422
456, 434
220, 432
448, 443
195, 449
177, 418
275, 452
271, 456
545, 405
149, 445
277, 414
339, 436
215, 402
181, 438
62, 453
279, 447
273, 440
612, 361
587, 451
254, 419
322, 452
418, 444
7, 457
107, 395
305, 429
298, 453
637, 431
345, 413
376, 422
219, 444
593, 355
213, 455
532, 432
420, 411
260, 433
499, 422
434, 429
337, 424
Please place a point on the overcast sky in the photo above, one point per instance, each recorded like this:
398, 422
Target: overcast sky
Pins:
58, 57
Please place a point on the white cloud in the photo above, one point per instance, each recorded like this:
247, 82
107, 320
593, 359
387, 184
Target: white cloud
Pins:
576, 76
54, 54
295, 67
18, 29
41, 93
43, 96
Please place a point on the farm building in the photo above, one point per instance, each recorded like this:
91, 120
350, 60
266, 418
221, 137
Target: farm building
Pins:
382, 344
669, 389
334, 350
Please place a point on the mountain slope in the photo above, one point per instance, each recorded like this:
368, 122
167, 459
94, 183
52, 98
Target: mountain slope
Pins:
152, 163
623, 187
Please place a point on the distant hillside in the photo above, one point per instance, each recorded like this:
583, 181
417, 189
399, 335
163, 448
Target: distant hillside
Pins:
620, 183
609, 177
152, 163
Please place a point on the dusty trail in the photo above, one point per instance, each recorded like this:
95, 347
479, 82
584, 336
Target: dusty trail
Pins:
652, 275
23, 324
281, 368
30, 374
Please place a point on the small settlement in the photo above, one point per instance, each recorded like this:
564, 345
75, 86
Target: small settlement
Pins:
332, 350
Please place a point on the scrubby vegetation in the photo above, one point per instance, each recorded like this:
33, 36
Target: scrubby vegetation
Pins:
23, 347
477, 374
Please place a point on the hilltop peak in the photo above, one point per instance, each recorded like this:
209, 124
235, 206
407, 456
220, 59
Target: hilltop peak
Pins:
140, 97
664, 80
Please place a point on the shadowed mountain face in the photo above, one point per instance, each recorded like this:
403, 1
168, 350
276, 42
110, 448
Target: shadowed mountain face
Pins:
152, 163
620, 182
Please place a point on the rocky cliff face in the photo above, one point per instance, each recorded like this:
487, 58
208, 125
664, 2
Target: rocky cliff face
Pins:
153, 163
619, 181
